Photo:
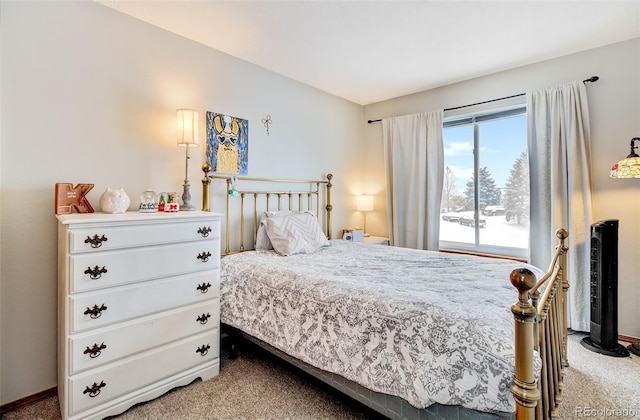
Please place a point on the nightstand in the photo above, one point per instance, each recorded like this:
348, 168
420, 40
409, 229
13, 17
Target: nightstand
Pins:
377, 240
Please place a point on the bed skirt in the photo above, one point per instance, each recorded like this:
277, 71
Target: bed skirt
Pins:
388, 405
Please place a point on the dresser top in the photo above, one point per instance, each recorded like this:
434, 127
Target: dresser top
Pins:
132, 216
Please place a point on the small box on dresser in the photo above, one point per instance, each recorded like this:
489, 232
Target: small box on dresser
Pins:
138, 307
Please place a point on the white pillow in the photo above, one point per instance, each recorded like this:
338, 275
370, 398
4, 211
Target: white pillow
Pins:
297, 233
262, 240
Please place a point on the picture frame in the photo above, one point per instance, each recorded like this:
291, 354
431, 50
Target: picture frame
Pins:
227, 144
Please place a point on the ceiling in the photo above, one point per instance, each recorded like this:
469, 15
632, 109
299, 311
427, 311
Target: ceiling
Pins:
370, 51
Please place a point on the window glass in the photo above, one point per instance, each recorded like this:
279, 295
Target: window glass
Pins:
485, 199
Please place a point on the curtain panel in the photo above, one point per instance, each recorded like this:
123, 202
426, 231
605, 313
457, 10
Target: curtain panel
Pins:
414, 164
559, 158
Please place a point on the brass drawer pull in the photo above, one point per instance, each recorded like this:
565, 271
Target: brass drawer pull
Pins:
204, 287
204, 231
204, 256
95, 351
203, 350
94, 390
96, 311
96, 272
204, 318
96, 241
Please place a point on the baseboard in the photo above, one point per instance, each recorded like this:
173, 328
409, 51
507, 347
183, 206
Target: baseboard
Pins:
628, 338
30, 399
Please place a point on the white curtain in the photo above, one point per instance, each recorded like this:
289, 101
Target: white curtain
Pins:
558, 135
414, 163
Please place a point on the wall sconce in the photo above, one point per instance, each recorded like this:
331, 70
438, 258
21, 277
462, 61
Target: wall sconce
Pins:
364, 203
188, 136
628, 167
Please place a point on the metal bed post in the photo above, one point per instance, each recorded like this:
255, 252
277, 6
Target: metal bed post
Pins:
329, 205
206, 180
524, 388
541, 324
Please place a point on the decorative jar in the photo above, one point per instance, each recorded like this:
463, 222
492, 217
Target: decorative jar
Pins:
114, 201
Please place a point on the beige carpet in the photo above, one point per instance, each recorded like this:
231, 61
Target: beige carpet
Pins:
254, 386
599, 386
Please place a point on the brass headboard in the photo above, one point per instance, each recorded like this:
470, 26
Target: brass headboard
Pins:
300, 200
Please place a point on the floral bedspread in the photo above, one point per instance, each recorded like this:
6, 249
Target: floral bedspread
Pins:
425, 326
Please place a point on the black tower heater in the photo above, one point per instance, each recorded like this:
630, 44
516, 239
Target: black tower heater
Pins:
604, 291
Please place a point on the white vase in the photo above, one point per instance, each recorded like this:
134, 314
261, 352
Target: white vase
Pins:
114, 201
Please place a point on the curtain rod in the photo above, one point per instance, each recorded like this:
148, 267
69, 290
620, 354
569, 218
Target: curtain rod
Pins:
592, 79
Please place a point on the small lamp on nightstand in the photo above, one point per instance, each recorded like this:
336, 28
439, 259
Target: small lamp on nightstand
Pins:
364, 204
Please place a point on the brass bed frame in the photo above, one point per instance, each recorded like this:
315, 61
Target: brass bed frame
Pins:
540, 314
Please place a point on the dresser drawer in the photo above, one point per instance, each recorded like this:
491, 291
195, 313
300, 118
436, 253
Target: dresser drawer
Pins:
92, 239
100, 385
90, 350
104, 307
105, 269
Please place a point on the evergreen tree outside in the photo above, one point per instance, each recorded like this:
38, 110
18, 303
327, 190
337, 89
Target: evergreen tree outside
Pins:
516, 194
489, 194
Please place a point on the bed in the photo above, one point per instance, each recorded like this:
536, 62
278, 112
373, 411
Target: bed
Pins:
363, 319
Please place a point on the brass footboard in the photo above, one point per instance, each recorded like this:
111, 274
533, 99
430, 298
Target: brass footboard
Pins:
541, 325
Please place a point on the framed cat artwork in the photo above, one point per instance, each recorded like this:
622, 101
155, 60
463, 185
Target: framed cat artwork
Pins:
227, 144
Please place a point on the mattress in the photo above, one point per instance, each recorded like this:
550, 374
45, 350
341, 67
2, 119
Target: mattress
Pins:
425, 326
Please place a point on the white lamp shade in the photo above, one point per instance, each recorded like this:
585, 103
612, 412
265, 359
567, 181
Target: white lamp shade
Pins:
364, 203
188, 133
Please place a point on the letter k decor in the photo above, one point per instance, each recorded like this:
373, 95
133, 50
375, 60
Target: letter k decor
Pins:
69, 197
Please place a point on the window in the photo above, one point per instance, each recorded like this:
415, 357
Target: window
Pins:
485, 198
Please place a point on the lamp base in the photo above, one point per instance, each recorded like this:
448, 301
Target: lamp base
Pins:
186, 198
189, 207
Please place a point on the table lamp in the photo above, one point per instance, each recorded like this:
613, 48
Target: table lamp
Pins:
364, 203
188, 136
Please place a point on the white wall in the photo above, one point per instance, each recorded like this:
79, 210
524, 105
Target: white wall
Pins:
89, 96
614, 106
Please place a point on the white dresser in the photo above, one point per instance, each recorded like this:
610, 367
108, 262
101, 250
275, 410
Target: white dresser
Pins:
138, 307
